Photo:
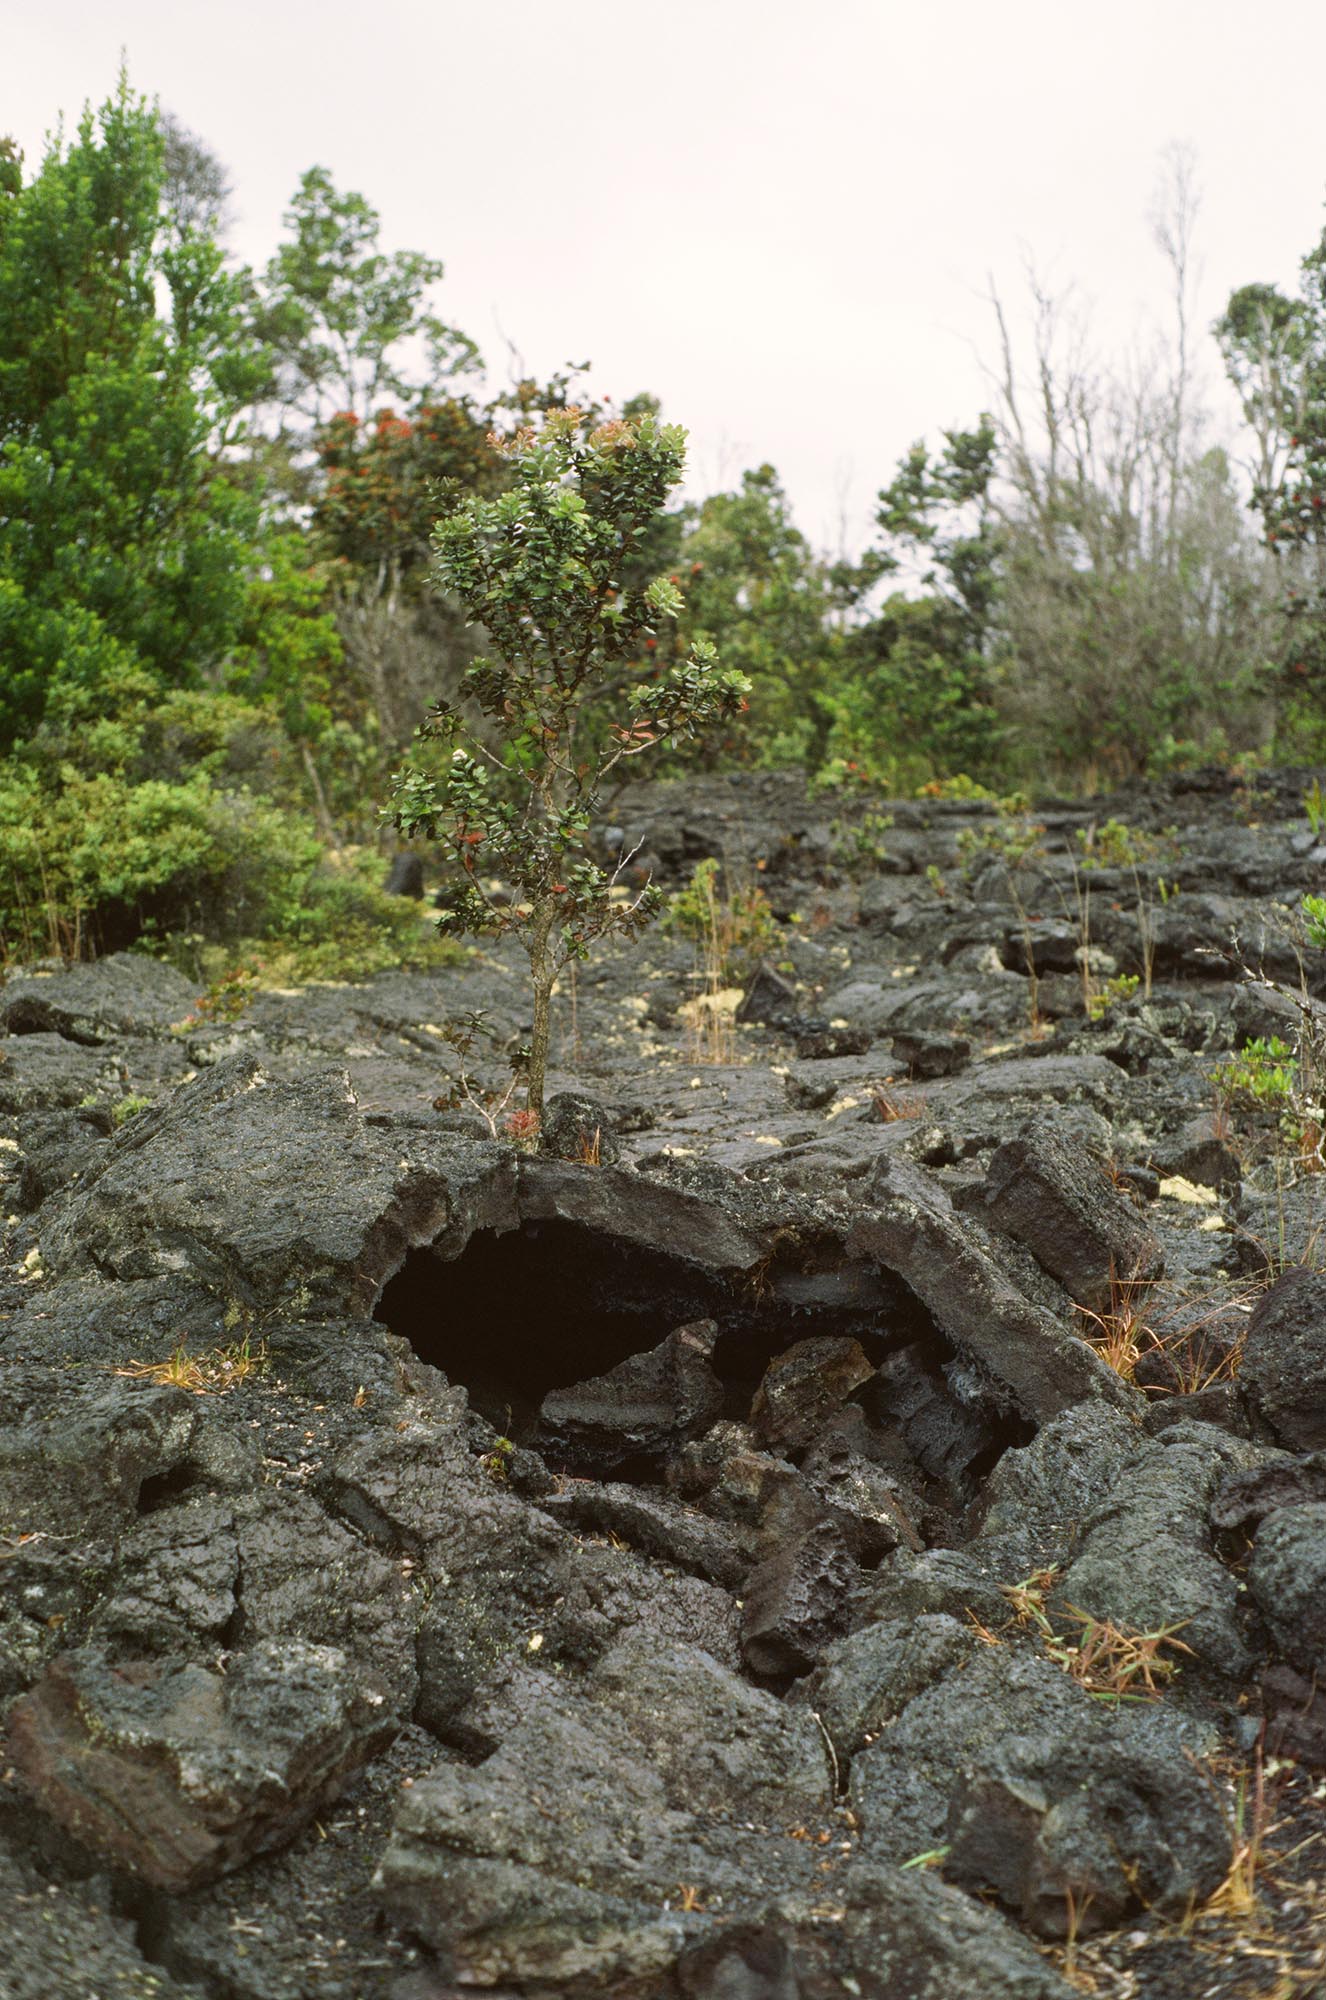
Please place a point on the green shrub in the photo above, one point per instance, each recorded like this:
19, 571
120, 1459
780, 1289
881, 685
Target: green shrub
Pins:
860, 843
95, 860
733, 926
1264, 1073
959, 786
1121, 987
339, 923
1115, 844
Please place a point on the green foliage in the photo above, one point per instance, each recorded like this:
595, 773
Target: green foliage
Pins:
338, 923
1121, 986
731, 923
913, 698
1314, 919
497, 1462
125, 1108
228, 997
1115, 844
1275, 354
959, 786
756, 590
378, 483
340, 314
127, 539
1314, 805
543, 567
1011, 837
1262, 1075
97, 860
860, 843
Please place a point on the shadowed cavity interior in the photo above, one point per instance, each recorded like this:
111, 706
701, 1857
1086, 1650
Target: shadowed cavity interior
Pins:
523, 1312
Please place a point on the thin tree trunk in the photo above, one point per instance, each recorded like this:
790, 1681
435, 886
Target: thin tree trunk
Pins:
543, 971
326, 825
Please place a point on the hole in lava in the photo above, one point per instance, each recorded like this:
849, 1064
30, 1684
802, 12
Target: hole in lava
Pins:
522, 1312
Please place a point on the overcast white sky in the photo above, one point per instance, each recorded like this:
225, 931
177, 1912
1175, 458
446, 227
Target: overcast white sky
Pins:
778, 215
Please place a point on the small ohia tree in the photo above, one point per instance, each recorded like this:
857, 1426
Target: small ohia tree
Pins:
546, 568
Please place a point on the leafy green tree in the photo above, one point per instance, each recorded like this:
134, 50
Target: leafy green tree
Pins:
143, 592
914, 694
126, 538
541, 567
366, 410
1274, 349
342, 317
1265, 342
757, 590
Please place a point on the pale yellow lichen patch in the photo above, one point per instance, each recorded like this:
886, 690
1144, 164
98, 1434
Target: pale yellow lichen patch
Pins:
9, 1146
903, 971
1213, 1222
1176, 1188
840, 1105
763, 1139
722, 1004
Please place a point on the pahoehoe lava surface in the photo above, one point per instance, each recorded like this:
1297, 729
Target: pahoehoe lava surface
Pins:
648, 1570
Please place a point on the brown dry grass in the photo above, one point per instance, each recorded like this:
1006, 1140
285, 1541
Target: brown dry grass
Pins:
893, 1105
1196, 1357
1111, 1661
203, 1374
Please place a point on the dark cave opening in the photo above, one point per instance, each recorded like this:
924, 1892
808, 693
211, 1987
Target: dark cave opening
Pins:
163, 1489
553, 1304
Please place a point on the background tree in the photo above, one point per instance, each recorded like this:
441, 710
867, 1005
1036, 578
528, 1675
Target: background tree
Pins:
195, 186
1134, 611
367, 407
913, 695
349, 325
126, 538
1274, 349
139, 579
543, 568
756, 589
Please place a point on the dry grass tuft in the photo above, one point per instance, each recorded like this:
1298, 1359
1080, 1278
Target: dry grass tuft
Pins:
893, 1105
203, 1374
1191, 1350
1113, 1662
